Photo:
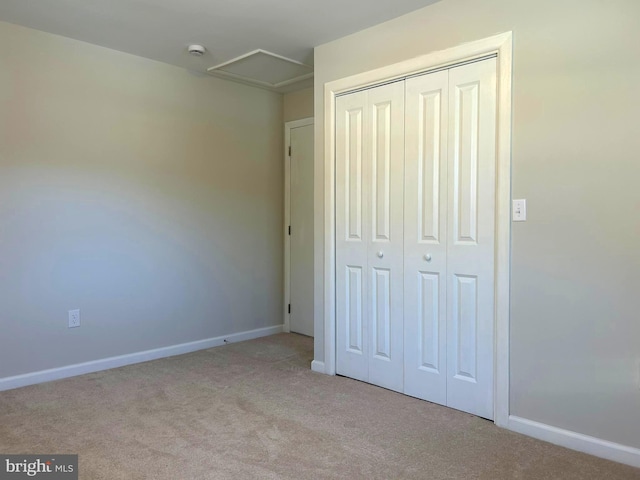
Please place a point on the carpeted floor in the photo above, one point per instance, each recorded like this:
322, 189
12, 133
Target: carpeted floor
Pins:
254, 410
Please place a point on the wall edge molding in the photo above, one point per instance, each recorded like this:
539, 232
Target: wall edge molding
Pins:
576, 441
318, 366
42, 376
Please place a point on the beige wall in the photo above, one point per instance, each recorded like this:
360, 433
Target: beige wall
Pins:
145, 195
298, 105
575, 333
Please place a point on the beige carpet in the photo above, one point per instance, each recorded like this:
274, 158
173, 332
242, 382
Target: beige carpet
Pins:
254, 410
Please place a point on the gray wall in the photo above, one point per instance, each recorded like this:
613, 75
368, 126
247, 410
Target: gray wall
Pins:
575, 332
298, 105
145, 195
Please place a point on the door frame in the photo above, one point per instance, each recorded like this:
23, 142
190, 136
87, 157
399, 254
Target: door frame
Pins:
288, 126
500, 45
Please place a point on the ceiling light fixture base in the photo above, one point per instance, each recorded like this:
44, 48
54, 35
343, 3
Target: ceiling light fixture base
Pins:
196, 50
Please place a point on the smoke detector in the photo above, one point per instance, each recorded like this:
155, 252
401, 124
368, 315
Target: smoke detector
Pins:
196, 50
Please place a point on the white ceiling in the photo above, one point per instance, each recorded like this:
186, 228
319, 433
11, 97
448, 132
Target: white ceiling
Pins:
162, 29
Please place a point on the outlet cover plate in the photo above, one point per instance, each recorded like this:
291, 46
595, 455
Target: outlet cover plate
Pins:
74, 318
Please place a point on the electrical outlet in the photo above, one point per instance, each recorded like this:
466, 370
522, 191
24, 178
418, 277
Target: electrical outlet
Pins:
74, 318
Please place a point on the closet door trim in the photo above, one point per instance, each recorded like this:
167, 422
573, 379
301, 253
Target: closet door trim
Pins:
500, 45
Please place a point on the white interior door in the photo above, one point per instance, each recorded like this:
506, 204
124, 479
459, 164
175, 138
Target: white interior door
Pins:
369, 235
385, 249
301, 208
471, 237
425, 237
352, 223
415, 236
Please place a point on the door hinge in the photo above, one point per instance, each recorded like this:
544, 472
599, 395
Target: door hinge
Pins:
289, 229
289, 308
289, 150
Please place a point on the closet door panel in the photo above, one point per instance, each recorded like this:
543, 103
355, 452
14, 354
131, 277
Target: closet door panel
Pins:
352, 227
471, 237
425, 235
385, 236
415, 236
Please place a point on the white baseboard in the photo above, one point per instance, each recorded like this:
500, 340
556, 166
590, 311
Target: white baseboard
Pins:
317, 366
576, 441
42, 376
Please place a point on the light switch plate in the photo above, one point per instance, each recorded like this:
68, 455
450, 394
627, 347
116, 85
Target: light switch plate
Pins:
519, 210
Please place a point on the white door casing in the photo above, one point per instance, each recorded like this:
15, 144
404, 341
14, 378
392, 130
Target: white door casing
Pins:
298, 228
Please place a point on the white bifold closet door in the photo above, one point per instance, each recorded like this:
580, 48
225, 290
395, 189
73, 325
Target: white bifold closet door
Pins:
425, 260
450, 237
415, 236
369, 232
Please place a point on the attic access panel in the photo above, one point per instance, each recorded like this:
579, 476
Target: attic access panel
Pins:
263, 68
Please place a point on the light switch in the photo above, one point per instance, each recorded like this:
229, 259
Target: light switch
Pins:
519, 210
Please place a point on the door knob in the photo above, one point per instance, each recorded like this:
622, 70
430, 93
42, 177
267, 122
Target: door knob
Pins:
427, 257
380, 254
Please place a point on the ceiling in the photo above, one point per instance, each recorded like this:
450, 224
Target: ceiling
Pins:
162, 29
